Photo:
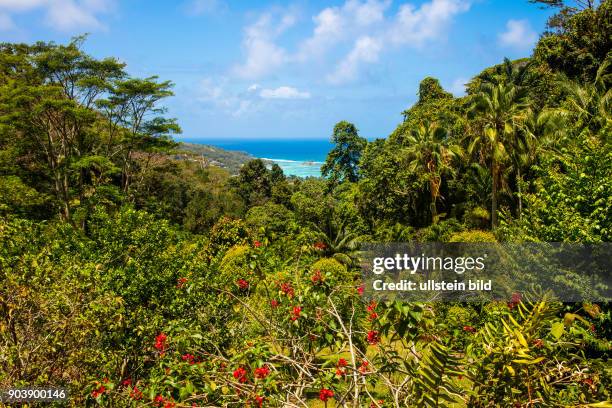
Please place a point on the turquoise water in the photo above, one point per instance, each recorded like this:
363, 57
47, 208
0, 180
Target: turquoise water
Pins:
298, 168
302, 158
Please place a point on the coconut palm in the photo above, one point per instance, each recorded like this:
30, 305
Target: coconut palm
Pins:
501, 105
430, 155
589, 105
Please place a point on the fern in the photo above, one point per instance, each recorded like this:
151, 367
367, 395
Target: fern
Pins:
433, 385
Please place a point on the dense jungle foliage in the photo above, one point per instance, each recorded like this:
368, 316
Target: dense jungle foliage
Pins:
135, 279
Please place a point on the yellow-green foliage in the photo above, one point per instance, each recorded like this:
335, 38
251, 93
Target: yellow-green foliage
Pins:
333, 270
459, 315
473, 236
477, 217
235, 262
329, 265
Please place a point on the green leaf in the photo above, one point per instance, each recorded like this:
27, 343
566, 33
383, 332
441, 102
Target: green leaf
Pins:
557, 330
528, 362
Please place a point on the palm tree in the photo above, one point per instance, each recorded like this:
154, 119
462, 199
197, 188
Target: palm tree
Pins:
589, 105
538, 135
430, 154
501, 104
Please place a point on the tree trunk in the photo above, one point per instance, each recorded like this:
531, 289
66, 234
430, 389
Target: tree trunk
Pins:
435, 189
494, 195
520, 198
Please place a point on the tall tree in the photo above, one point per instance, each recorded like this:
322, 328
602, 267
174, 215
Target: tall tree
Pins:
48, 105
500, 106
430, 154
253, 183
343, 160
133, 111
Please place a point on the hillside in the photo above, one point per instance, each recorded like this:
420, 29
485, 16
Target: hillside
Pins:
214, 156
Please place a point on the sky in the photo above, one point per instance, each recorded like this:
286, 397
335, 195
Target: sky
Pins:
289, 70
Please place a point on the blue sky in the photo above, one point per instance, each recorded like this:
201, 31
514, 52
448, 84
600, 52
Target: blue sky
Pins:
246, 69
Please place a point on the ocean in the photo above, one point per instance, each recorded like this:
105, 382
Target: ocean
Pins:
302, 158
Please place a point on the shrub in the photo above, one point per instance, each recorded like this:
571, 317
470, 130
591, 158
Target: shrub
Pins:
271, 218
477, 217
333, 270
235, 263
473, 236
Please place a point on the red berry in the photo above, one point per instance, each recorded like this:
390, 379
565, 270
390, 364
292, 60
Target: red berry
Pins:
373, 337
262, 372
240, 374
325, 394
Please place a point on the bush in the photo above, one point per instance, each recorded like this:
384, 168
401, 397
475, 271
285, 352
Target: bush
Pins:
271, 219
473, 236
235, 263
333, 270
477, 217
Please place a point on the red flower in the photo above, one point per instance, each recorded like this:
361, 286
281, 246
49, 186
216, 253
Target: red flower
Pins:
160, 342
469, 329
287, 289
180, 282
158, 401
240, 374
262, 372
169, 404
515, 300
373, 337
317, 277
371, 308
588, 381
259, 401
340, 372
325, 394
342, 363
274, 303
295, 313
539, 343
98, 392
592, 328
320, 245
136, 394
363, 368
189, 357
256, 244
126, 382
360, 290
242, 284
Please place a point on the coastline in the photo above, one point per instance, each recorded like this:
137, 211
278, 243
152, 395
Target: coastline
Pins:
299, 158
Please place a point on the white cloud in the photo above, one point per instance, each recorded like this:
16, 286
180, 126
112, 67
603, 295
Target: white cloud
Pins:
284, 92
334, 24
64, 15
263, 55
366, 49
360, 22
518, 34
414, 26
221, 94
411, 27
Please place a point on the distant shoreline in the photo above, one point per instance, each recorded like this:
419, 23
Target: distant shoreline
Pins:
296, 158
